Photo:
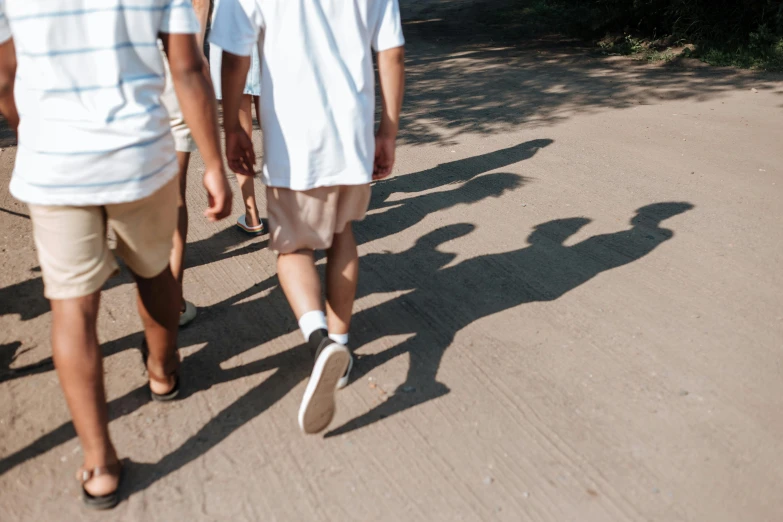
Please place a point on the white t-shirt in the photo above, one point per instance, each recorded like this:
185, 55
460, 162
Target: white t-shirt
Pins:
89, 78
317, 82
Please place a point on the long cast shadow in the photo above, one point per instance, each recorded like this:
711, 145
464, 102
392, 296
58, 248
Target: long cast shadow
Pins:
443, 301
486, 285
468, 176
236, 318
542, 271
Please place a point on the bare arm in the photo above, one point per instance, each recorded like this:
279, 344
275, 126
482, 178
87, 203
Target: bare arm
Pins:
197, 101
201, 7
239, 146
391, 72
7, 77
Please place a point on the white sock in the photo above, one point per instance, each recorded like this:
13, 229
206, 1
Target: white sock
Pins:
312, 321
339, 338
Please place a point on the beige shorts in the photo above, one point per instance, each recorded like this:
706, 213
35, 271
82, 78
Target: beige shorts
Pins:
183, 140
309, 219
74, 252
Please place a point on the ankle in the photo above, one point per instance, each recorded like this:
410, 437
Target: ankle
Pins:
100, 456
251, 217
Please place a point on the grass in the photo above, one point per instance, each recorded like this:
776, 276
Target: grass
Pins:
768, 57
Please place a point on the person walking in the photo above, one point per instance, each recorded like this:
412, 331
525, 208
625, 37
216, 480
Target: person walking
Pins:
95, 150
249, 222
321, 151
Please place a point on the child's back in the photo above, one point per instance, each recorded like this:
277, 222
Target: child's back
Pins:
88, 88
321, 151
318, 84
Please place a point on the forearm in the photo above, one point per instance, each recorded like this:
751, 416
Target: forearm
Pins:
7, 78
391, 72
197, 101
233, 78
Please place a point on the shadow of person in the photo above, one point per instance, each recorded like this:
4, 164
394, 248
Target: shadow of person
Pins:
24, 298
224, 244
226, 330
231, 327
443, 301
457, 171
409, 212
27, 300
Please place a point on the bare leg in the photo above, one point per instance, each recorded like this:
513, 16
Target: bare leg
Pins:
300, 281
177, 259
342, 276
77, 357
159, 300
302, 288
246, 183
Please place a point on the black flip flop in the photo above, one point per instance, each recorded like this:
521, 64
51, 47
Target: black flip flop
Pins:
159, 397
104, 501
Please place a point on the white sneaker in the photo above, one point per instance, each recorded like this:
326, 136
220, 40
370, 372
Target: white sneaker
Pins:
188, 314
343, 382
318, 405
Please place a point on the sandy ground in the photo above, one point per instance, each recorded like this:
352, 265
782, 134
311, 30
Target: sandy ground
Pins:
570, 310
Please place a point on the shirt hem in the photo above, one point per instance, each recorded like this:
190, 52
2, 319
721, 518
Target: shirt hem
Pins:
327, 182
386, 46
34, 196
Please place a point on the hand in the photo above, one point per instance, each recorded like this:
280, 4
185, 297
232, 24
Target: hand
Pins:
239, 152
384, 156
218, 194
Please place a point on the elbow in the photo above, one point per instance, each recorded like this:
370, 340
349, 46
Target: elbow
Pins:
6, 85
395, 56
392, 59
399, 55
188, 69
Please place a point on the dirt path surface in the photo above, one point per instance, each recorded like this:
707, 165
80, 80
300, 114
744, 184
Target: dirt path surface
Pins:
570, 310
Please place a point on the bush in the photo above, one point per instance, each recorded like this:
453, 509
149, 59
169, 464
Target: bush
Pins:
729, 21
727, 32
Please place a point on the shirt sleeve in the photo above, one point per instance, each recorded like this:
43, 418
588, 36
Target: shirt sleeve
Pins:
5, 29
179, 18
236, 26
388, 28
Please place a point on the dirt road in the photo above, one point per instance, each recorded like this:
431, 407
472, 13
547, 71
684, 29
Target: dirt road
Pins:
570, 310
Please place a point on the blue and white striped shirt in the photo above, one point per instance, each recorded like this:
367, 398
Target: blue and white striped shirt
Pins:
89, 78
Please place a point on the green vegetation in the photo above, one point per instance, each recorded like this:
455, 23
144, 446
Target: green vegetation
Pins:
744, 33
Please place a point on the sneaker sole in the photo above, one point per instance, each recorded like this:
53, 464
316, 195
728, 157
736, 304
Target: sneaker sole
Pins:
346, 378
318, 405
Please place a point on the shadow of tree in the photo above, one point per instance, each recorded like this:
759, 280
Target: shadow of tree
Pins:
469, 78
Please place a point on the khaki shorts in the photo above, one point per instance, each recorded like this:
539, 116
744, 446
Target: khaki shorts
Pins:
183, 140
74, 252
309, 219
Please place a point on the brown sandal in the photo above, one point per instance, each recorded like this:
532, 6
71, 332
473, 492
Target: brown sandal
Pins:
103, 501
161, 397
